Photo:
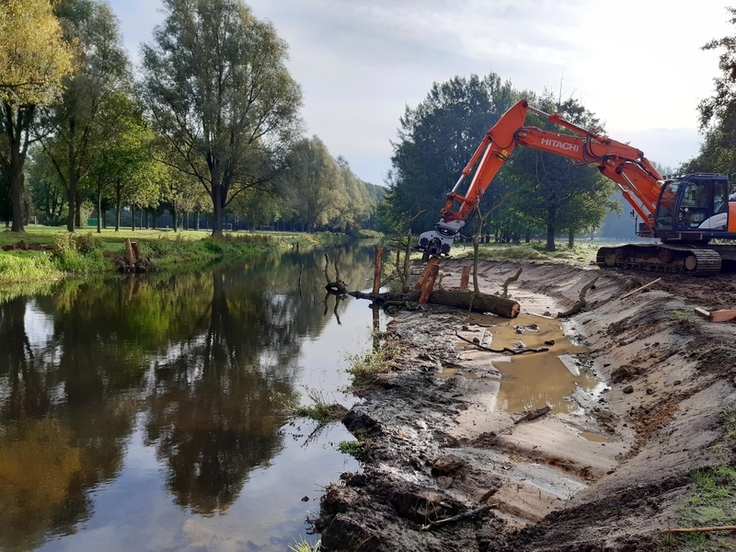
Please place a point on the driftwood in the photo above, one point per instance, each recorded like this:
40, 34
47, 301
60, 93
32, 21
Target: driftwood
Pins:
460, 517
580, 305
505, 349
508, 281
533, 415
451, 298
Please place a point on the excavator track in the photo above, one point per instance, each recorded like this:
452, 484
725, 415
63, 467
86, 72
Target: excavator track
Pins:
697, 261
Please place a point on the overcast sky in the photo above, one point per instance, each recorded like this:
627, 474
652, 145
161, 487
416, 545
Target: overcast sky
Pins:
637, 64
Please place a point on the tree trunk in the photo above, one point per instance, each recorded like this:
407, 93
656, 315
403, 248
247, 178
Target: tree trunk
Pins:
570, 238
78, 210
132, 218
117, 213
17, 120
218, 204
452, 298
550, 238
99, 212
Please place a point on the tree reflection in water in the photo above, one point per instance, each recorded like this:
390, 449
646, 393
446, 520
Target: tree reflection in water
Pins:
207, 361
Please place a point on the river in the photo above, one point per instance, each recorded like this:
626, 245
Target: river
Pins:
149, 413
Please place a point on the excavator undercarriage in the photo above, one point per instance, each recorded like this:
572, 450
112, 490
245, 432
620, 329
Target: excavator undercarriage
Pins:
698, 260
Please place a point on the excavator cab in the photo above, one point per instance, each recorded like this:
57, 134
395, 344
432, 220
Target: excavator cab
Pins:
692, 208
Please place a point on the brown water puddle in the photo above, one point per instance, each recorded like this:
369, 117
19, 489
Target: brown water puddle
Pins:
533, 380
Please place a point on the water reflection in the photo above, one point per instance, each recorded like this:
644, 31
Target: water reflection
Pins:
204, 362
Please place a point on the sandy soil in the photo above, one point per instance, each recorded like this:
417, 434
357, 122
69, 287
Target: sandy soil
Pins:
635, 385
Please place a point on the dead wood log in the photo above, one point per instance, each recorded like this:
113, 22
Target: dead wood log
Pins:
460, 517
580, 305
451, 298
534, 414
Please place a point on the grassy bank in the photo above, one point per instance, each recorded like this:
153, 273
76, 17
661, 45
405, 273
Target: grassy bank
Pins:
87, 252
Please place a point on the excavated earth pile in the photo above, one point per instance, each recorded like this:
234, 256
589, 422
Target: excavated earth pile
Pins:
586, 439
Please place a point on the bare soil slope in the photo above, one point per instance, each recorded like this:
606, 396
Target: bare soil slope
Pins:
636, 388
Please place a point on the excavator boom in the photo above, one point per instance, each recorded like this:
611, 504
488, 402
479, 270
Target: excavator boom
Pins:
635, 176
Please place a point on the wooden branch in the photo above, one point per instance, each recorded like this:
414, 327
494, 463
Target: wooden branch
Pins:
460, 517
508, 281
580, 305
701, 529
505, 349
534, 414
637, 290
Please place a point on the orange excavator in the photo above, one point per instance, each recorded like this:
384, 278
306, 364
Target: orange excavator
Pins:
686, 213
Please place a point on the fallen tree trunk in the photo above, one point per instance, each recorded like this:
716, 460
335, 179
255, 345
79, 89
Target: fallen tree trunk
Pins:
451, 298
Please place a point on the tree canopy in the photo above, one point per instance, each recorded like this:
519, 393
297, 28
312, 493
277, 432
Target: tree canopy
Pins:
533, 192
718, 112
33, 60
219, 93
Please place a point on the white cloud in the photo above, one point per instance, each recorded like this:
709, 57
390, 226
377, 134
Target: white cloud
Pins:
637, 64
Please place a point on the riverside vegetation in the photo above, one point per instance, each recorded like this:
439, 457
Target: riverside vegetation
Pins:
61, 254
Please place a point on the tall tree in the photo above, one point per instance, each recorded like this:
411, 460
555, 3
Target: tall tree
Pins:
70, 128
313, 184
219, 92
718, 112
121, 165
33, 60
436, 139
358, 206
555, 192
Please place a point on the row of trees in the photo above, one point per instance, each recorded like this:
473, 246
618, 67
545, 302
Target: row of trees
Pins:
212, 124
534, 193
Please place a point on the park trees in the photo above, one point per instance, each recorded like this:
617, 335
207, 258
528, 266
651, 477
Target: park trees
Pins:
71, 129
33, 60
553, 192
312, 184
219, 93
435, 142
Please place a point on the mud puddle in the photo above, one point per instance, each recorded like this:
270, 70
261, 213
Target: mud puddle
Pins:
531, 381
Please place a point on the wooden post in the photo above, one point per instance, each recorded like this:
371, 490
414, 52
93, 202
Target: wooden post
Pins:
129, 254
434, 261
465, 278
136, 250
429, 284
377, 262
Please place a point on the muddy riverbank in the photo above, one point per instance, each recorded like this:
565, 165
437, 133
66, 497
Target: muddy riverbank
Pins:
636, 387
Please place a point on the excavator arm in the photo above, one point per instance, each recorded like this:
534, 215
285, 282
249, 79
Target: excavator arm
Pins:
624, 164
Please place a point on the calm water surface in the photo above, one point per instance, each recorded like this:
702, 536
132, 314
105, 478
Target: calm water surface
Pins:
147, 414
